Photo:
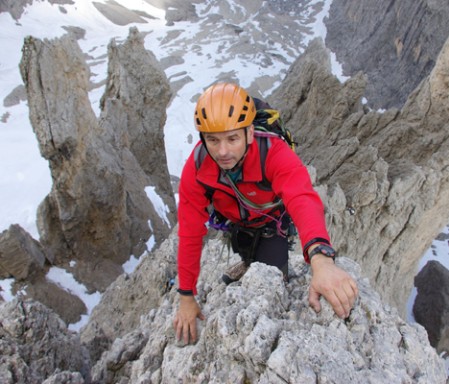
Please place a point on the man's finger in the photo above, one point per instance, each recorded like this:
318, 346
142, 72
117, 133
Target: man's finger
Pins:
314, 300
351, 293
178, 328
192, 328
354, 287
336, 304
345, 302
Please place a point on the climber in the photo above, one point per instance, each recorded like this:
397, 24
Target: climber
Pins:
225, 171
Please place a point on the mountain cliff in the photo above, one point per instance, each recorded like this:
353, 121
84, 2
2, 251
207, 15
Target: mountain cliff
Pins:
395, 43
257, 327
382, 175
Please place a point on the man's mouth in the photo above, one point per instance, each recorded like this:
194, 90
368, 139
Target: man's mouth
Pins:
225, 162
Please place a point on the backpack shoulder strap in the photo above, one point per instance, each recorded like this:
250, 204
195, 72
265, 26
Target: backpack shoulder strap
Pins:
199, 155
264, 145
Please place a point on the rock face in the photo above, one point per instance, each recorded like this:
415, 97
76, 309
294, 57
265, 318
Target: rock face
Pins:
395, 43
24, 259
98, 212
431, 308
137, 83
16, 7
20, 254
257, 330
36, 345
384, 177
130, 297
379, 195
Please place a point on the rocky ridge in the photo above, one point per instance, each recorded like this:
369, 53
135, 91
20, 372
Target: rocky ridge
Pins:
98, 211
255, 326
385, 183
257, 330
383, 176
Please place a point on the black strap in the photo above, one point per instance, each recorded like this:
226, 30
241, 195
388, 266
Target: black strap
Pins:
244, 241
185, 292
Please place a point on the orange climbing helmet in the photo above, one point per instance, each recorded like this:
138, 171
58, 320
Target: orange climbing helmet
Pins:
224, 107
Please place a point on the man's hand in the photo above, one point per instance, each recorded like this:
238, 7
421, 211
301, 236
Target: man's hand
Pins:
335, 284
185, 319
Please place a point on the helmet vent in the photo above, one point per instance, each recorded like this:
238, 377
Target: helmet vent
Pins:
231, 111
242, 118
203, 111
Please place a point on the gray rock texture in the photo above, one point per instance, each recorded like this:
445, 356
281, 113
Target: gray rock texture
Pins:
383, 176
137, 81
16, 7
395, 43
24, 259
35, 344
98, 211
431, 307
258, 330
20, 255
17, 95
119, 14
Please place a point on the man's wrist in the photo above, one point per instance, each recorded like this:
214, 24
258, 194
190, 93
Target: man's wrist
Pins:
185, 292
320, 259
324, 250
310, 245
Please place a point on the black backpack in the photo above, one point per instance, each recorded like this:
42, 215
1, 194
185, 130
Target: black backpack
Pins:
268, 121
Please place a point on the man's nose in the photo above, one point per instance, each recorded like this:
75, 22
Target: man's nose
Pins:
223, 148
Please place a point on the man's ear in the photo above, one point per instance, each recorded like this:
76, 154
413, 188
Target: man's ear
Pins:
250, 133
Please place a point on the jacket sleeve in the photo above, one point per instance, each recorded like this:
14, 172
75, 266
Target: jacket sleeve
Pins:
291, 181
192, 217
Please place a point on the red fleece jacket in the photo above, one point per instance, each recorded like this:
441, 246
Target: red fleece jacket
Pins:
289, 179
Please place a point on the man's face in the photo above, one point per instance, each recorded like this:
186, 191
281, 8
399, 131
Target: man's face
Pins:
227, 148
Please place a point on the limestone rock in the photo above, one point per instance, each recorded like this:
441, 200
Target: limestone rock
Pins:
23, 258
20, 255
17, 95
65, 378
97, 211
14, 7
35, 344
431, 307
137, 82
130, 297
385, 41
384, 177
260, 330
177, 10
68, 306
118, 14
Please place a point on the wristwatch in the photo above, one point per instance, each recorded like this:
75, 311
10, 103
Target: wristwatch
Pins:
325, 250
